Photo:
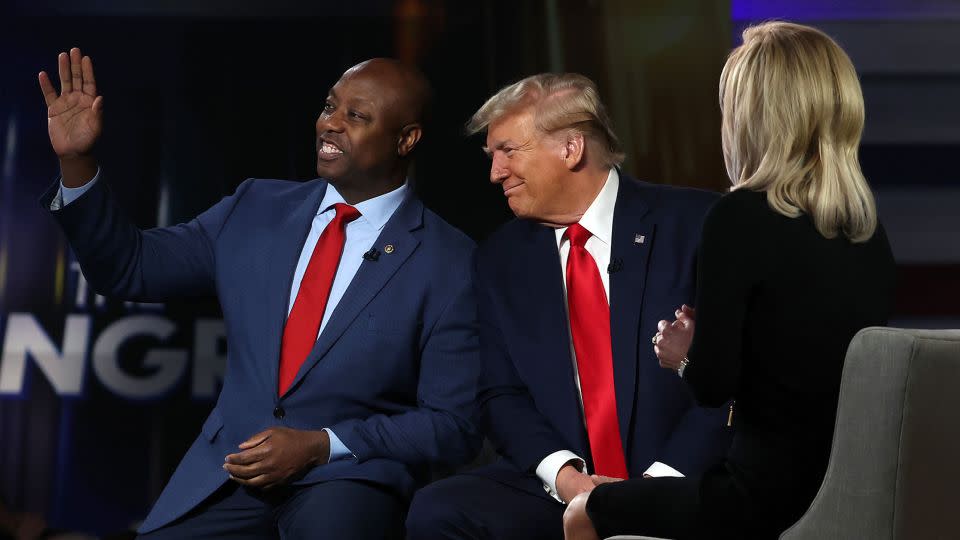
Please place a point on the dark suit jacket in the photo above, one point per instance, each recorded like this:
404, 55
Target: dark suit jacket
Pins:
528, 399
393, 374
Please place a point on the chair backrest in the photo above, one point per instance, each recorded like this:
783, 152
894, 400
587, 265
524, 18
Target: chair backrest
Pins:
894, 471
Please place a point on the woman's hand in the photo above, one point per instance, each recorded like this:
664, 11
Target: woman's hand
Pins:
672, 340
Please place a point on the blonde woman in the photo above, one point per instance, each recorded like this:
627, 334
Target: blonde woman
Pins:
793, 262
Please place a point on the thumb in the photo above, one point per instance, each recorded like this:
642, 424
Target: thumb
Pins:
98, 105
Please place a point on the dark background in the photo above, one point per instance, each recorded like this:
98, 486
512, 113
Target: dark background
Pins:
200, 95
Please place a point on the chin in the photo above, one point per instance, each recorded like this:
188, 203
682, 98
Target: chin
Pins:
328, 170
520, 210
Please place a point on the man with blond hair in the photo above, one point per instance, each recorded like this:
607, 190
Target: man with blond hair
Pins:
571, 393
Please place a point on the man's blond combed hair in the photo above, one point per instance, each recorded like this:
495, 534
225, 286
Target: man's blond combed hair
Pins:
560, 102
792, 121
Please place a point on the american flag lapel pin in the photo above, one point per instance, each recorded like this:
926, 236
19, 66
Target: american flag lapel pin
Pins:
639, 239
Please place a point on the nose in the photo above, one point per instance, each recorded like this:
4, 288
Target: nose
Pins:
330, 122
498, 170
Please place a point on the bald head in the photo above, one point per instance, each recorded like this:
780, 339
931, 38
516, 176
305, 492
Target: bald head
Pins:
403, 84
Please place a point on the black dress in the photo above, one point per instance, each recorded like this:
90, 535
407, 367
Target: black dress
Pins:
777, 306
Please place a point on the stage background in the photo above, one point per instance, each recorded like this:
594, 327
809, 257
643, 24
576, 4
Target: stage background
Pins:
100, 398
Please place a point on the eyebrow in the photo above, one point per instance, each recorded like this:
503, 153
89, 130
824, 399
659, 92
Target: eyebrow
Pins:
498, 146
355, 101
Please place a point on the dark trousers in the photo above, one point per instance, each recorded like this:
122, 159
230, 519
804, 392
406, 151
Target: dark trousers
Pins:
709, 507
468, 507
342, 509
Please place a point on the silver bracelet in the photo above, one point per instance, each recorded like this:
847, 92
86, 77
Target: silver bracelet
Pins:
683, 366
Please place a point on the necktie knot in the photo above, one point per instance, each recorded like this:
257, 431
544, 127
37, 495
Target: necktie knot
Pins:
578, 235
345, 213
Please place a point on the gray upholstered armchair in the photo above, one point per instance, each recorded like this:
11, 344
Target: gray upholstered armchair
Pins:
894, 471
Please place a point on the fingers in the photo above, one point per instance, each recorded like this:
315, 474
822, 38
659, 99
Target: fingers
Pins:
247, 457
245, 472
63, 66
89, 82
76, 71
666, 357
691, 312
255, 440
685, 316
599, 479
49, 93
680, 326
667, 328
260, 481
251, 470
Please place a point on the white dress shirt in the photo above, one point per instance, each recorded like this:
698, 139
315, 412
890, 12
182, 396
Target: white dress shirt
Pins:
598, 219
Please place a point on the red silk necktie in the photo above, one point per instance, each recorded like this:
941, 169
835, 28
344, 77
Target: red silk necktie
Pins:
303, 324
590, 329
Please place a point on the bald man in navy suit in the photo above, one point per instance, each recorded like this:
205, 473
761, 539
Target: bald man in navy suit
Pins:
350, 314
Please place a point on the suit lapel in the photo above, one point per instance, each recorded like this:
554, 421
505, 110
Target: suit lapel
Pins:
288, 243
633, 235
543, 315
369, 279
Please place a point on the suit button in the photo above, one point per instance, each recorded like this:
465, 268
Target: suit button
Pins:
279, 413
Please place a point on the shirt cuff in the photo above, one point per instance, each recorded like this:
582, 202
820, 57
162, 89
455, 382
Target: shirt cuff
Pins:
67, 195
549, 468
661, 470
338, 450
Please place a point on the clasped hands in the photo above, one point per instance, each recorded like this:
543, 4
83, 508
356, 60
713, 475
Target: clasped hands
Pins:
672, 340
277, 456
572, 482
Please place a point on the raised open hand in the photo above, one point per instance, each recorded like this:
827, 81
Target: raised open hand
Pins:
75, 117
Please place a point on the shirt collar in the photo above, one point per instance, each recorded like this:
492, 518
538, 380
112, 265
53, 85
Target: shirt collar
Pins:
375, 211
598, 219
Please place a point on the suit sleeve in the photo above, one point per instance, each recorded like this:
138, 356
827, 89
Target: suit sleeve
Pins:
701, 437
726, 264
122, 261
439, 430
507, 413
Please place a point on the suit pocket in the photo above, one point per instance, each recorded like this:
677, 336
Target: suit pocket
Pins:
212, 426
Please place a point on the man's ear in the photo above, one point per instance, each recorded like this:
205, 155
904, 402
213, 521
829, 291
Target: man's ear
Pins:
574, 149
409, 137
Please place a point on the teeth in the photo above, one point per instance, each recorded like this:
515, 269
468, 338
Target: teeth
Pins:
328, 148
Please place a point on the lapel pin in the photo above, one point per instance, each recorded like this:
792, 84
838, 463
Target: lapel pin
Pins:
388, 249
639, 239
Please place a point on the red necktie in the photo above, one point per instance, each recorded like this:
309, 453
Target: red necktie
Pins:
590, 328
303, 324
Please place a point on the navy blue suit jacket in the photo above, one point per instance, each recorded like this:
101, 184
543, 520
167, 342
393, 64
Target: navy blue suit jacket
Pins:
393, 373
528, 398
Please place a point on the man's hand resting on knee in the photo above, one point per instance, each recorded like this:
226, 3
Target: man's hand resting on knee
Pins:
277, 456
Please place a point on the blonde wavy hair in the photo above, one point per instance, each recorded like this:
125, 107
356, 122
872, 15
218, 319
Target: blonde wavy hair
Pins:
561, 102
792, 122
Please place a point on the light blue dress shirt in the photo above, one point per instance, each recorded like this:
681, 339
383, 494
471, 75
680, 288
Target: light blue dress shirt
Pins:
361, 233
